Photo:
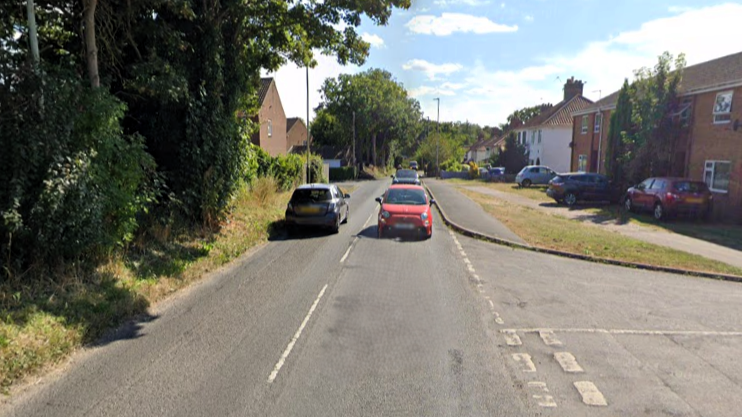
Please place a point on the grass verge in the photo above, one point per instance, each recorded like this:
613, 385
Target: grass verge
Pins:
42, 320
536, 193
559, 233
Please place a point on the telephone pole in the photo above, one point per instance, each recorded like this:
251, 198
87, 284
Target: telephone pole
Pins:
437, 139
309, 170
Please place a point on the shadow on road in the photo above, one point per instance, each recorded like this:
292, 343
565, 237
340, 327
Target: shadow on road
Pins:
372, 232
277, 231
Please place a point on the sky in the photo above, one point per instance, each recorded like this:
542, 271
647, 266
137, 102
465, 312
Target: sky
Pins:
486, 58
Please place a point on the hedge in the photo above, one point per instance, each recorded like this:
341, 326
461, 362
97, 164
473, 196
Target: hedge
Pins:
343, 174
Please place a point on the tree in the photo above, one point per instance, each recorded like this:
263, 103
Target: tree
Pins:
620, 126
513, 158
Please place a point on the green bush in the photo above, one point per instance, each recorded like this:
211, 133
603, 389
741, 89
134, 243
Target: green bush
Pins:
473, 170
70, 180
343, 174
452, 165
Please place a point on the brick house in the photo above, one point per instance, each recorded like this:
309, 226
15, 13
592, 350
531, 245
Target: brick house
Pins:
296, 133
272, 120
709, 145
548, 135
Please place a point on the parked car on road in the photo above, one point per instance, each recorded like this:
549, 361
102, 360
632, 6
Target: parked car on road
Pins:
413, 165
496, 171
405, 209
406, 176
534, 174
666, 197
580, 186
317, 205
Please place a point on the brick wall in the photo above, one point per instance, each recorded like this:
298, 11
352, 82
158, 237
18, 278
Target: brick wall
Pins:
297, 135
272, 110
589, 144
718, 142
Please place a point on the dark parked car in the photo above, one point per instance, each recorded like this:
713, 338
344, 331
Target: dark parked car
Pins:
666, 197
406, 176
580, 186
413, 165
317, 205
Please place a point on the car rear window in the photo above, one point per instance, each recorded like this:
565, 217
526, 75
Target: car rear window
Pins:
312, 194
690, 186
406, 196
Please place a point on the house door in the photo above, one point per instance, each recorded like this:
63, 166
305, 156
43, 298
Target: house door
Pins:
594, 162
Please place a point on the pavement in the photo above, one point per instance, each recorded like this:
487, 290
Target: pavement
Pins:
350, 325
465, 212
657, 237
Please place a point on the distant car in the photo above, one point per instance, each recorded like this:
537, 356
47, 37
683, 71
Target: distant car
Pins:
666, 197
405, 209
406, 176
496, 171
580, 186
322, 205
413, 165
534, 174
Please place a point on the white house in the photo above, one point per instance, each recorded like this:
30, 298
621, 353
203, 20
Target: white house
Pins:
547, 137
481, 151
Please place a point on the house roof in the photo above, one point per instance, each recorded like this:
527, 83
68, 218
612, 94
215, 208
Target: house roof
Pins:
477, 145
718, 73
265, 84
560, 114
291, 121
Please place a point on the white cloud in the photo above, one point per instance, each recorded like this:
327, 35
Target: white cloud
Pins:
452, 86
491, 94
449, 23
426, 91
291, 83
430, 69
528, 18
374, 40
445, 3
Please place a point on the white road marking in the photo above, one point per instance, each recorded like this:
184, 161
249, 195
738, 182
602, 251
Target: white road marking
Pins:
631, 332
512, 339
568, 362
525, 361
499, 320
365, 225
541, 399
462, 253
467, 261
590, 393
470, 268
549, 338
291, 344
347, 252
492, 305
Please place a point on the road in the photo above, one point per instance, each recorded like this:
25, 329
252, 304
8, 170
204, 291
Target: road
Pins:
349, 325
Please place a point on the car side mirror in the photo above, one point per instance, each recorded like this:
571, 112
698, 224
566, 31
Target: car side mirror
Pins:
378, 200
432, 201
392, 176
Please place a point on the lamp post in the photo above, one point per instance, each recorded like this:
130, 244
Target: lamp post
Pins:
437, 139
309, 135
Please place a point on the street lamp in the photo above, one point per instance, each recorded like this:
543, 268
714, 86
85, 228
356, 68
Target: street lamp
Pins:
309, 170
437, 138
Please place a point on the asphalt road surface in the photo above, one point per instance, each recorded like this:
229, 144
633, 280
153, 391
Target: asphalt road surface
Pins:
349, 325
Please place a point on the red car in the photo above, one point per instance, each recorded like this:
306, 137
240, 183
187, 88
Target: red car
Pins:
405, 209
665, 197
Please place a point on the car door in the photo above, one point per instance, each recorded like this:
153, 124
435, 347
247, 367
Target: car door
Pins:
640, 196
342, 206
654, 192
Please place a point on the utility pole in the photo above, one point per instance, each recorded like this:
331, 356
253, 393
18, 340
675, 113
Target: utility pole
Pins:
355, 164
309, 135
32, 32
437, 139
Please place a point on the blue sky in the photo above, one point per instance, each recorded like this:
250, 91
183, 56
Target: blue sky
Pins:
486, 58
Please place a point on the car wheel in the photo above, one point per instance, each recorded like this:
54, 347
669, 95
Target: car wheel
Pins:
570, 199
336, 227
628, 205
526, 183
559, 201
659, 212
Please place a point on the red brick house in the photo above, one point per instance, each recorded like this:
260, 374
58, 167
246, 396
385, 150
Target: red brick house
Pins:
272, 120
296, 133
710, 142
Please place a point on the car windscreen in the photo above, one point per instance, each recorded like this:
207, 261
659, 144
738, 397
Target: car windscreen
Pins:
405, 196
405, 173
311, 195
690, 186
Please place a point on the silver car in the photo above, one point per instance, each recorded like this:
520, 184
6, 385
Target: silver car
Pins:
317, 205
534, 174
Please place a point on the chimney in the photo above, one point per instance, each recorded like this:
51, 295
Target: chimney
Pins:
572, 88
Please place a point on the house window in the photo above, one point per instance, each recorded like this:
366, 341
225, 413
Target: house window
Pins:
584, 124
582, 163
539, 136
270, 128
723, 107
716, 175
598, 122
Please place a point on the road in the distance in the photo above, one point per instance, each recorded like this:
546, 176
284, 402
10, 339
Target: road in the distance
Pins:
348, 325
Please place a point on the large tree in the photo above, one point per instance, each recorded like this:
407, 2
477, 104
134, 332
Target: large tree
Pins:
620, 126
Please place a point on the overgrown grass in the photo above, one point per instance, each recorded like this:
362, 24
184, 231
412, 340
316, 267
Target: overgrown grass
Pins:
556, 232
44, 318
534, 192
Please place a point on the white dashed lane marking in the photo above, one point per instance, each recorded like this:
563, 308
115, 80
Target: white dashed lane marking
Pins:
568, 362
543, 398
512, 338
526, 364
549, 338
590, 394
